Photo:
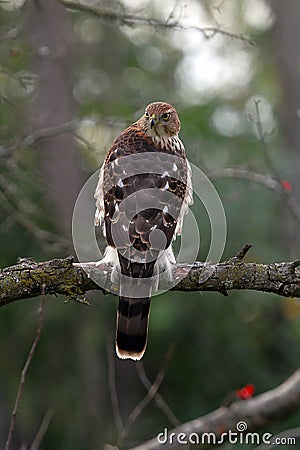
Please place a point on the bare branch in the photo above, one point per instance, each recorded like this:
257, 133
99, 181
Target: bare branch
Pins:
137, 411
17, 206
46, 132
256, 413
219, 6
117, 17
158, 398
274, 183
242, 253
244, 174
42, 430
287, 196
25, 370
113, 389
63, 128
61, 276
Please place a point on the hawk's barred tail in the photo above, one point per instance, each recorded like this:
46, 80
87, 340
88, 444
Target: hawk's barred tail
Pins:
134, 305
132, 327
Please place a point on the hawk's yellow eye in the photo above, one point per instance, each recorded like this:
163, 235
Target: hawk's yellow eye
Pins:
147, 114
166, 116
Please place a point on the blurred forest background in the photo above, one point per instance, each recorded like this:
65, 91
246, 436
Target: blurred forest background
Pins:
81, 74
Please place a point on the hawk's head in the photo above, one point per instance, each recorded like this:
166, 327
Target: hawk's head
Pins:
160, 120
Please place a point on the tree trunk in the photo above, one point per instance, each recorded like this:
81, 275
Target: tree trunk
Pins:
287, 51
49, 33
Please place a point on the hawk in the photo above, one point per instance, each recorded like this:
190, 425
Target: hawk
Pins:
143, 192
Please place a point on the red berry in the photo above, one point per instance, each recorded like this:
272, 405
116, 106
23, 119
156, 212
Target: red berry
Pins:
245, 392
286, 185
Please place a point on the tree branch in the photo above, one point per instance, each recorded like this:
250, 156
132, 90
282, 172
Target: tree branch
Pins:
275, 184
120, 18
254, 413
62, 276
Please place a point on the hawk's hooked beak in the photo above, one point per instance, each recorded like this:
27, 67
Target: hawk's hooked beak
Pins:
153, 121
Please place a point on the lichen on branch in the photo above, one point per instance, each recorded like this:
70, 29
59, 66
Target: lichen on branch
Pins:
28, 278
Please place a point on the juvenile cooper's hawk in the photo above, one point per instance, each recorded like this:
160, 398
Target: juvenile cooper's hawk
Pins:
143, 192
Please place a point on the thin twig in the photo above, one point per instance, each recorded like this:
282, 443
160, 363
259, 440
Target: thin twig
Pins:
158, 398
219, 6
244, 174
47, 239
43, 133
137, 411
242, 253
262, 137
275, 184
112, 388
239, 258
172, 12
67, 127
42, 430
25, 370
132, 20
85, 142
287, 196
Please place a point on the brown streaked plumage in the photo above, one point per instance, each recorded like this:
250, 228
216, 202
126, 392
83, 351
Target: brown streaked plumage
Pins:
143, 192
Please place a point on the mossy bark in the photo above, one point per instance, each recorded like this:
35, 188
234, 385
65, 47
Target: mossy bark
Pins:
29, 278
